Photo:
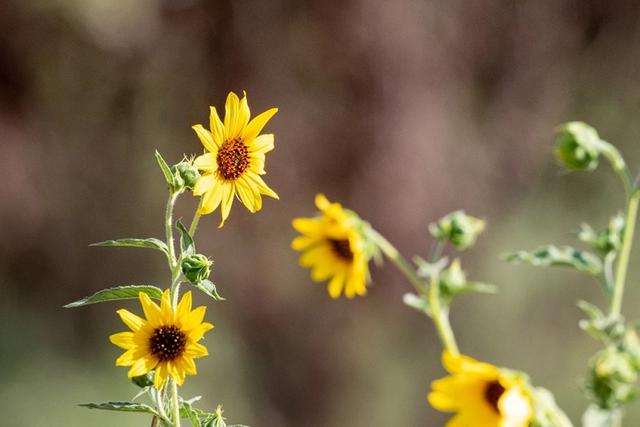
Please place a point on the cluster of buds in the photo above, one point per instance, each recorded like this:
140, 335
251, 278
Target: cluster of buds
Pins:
578, 147
458, 228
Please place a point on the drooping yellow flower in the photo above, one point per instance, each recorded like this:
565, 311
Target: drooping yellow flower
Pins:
333, 248
234, 159
481, 394
166, 340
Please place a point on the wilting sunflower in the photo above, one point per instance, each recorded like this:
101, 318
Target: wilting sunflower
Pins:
333, 248
481, 394
234, 160
166, 340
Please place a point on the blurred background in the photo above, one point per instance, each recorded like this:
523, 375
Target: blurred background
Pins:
401, 110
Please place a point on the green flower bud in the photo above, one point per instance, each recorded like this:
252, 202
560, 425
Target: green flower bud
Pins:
458, 228
196, 268
605, 241
612, 379
189, 174
453, 280
578, 146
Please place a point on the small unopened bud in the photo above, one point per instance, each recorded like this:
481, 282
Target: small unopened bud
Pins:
196, 268
142, 381
185, 175
453, 280
578, 146
458, 228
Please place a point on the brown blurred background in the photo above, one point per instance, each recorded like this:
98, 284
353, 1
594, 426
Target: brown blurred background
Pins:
402, 110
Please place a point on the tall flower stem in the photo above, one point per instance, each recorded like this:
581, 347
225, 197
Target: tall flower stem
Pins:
431, 293
175, 403
625, 251
194, 223
168, 227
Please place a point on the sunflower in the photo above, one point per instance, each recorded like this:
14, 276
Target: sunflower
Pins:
333, 248
166, 340
481, 394
234, 159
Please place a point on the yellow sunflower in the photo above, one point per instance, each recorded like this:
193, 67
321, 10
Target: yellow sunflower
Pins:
166, 340
333, 248
234, 159
481, 394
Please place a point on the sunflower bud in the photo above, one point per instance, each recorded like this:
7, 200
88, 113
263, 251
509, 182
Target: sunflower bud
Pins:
458, 228
185, 175
612, 378
578, 146
196, 268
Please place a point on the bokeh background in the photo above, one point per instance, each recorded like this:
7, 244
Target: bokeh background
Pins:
401, 110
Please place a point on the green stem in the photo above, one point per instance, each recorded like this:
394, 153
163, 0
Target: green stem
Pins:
168, 227
439, 314
176, 277
402, 264
176, 405
625, 252
194, 223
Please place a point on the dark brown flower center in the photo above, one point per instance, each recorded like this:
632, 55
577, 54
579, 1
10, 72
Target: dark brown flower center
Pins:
492, 393
168, 342
233, 159
341, 248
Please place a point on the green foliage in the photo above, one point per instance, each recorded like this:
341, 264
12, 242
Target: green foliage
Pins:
417, 302
605, 241
143, 381
209, 288
564, 256
166, 171
458, 228
453, 282
117, 293
597, 417
150, 243
122, 407
187, 246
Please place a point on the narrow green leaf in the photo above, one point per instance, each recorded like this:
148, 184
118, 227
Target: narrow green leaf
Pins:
209, 288
565, 256
122, 407
191, 413
187, 247
166, 171
117, 293
151, 243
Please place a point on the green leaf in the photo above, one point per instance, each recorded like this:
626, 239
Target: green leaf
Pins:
209, 288
191, 413
187, 247
151, 243
565, 256
117, 293
122, 407
168, 176
417, 302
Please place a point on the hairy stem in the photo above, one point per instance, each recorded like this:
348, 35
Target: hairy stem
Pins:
625, 252
194, 224
439, 314
168, 228
175, 404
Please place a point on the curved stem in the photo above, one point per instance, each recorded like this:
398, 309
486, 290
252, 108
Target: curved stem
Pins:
168, 227
625, 252
439, 314
194, 223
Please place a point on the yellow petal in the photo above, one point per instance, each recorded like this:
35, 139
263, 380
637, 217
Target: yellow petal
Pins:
206, 162
255, 126
335, 285
204, 184
166, 311
123, 340
302, 242
127, 358
188, 365
191, 321
142, 366
211, 200
217, 128
196, 350
262, 144
160, 376
184, 306
131, 320
198, 332
322, 202
262, 187
205, 138
235, 116
227, 201
151, 310
306, 225
246, 197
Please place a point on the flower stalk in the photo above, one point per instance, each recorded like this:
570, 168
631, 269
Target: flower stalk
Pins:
625, 252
